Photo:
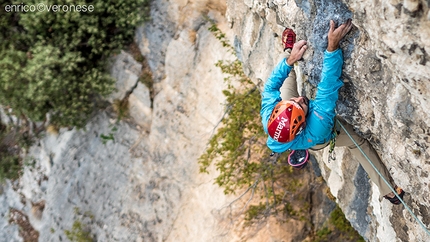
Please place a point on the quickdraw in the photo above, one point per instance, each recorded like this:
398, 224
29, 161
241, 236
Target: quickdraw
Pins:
332, 153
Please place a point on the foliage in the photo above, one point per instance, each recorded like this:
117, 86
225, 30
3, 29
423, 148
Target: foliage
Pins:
55, 63
106, 138
238, 148
337, 218
222, 38
239, 153
239, 133
78, 234
338, 228
9, 167
12, 140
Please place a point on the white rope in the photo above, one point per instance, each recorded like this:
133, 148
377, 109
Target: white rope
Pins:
386, 182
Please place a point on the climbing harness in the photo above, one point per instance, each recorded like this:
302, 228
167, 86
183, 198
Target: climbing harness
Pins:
386, 182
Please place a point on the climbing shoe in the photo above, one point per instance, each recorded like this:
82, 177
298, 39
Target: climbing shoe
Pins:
288, 38
395, 200
298, 159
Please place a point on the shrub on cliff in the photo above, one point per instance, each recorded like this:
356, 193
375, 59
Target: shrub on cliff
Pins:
12, 141
239, 152
55, 62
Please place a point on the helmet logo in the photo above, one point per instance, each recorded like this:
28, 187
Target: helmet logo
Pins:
279, 128
286, 121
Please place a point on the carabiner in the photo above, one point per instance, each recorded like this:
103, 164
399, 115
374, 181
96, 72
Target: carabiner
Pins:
331, 156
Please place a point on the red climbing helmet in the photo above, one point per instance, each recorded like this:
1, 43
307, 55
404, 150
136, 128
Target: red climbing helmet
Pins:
286, 121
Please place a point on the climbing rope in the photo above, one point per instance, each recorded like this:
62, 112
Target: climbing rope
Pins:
386, 182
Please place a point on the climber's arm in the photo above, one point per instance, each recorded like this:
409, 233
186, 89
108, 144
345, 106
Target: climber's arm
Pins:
271, 94
327, 93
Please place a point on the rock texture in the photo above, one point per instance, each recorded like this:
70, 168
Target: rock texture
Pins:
386, 93
138, 179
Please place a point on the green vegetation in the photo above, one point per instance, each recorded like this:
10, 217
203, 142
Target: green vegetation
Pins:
240, 131
337, 218
55, 62
10, 167
338, 228
239, 152
12, 141
80, 232
106, 138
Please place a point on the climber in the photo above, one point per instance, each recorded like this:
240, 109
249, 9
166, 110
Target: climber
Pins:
294, 122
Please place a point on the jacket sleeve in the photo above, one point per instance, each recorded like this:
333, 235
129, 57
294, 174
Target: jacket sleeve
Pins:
327, 91
271, 94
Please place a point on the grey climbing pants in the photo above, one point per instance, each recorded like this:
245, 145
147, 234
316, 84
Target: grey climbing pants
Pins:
289, 90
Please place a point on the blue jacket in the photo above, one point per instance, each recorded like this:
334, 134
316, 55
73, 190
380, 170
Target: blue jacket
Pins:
321, 112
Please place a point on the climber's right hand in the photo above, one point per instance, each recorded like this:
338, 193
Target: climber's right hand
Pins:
297, 52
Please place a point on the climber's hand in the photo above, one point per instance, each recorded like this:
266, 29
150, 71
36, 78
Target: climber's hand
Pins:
297, 52
335, 35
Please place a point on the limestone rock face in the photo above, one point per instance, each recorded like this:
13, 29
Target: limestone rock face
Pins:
126, 71
138, 179
386, 95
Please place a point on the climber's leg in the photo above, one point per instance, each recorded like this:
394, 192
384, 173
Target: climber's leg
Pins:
344, 140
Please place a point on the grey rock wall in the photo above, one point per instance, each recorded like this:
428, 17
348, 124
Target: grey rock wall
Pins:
144, 185
386, 95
